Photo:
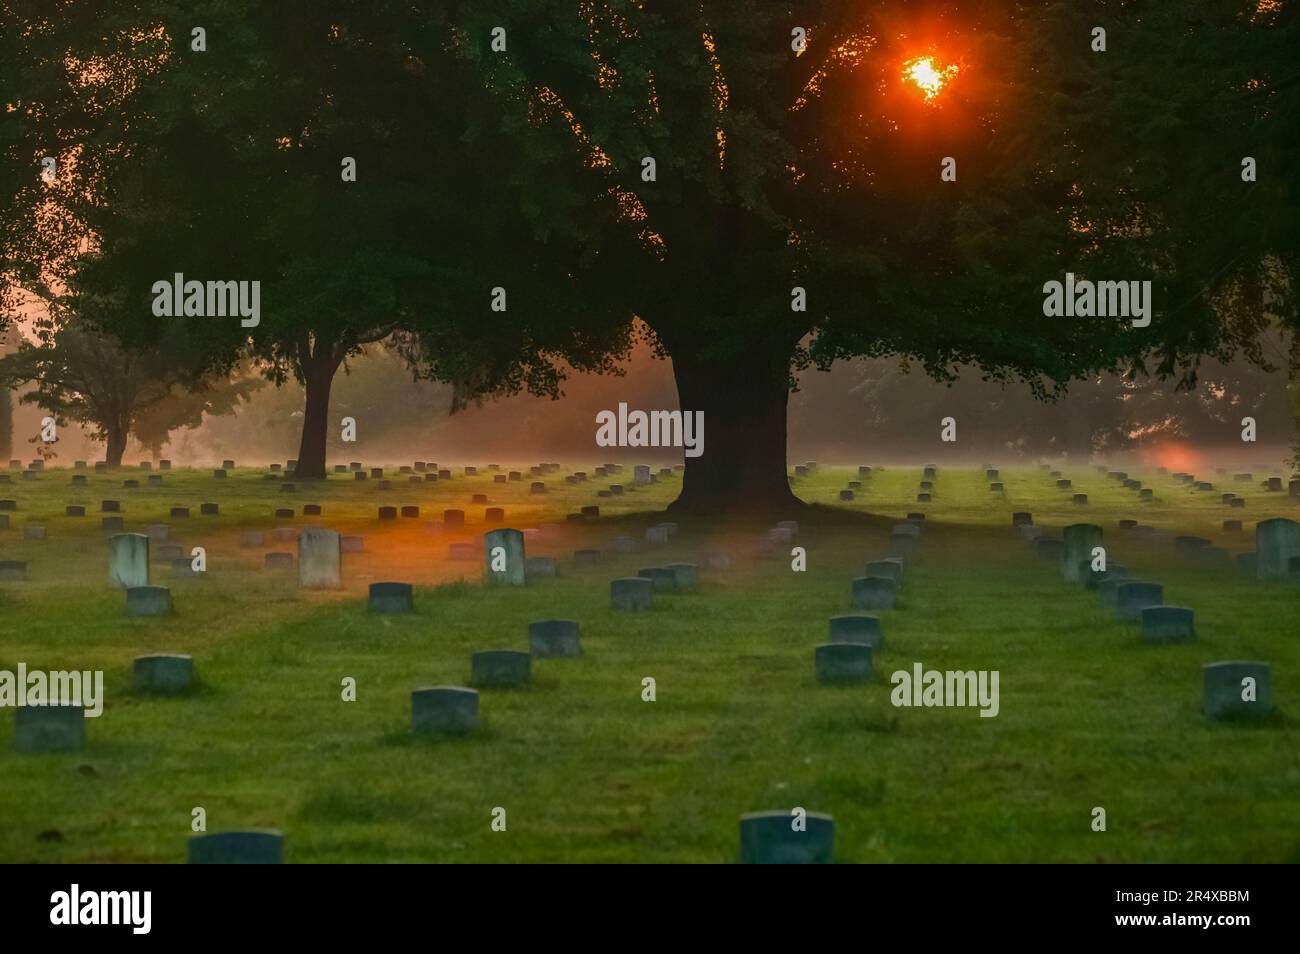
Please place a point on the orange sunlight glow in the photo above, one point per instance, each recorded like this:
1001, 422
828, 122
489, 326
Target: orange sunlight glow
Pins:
928, 78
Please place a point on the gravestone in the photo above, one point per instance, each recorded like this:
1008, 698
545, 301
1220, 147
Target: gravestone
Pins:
13, 571
1232, 526
923, 498
444, 710
311, 510
390, 597
1238, 688
503, 557
128, 560
625, 544
554, 639
1276, 541
250, 538
1237, 502
770, 838
1079, 540
358, 475
685, 575
1127, 524
1081, 500
453, 519
640, 474
157, 531
112, 522
1168, 624
495, 515
842, 663
163, 674
42, 729
148, 601
410, 512
664, 579
631, 593
170, 551
890, 568
874, 593
74, 510
284, 513
846, 495
352, 543
591, 511
219, 473
1133, 596
996, 487
478, 499
540, 567
209, 509
236, 848
320, 564
500, 668
376, 472
857, 628
656, 535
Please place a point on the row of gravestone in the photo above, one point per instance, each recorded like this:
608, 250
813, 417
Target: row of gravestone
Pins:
1230, 689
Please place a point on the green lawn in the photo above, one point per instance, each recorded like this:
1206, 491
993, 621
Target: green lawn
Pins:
589, 772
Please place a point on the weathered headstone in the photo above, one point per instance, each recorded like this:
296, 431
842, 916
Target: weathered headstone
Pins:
148, 601
856, 628
1079, 540
128, 560
444, 710
874, 593
1276, 541
236, 848
1167, 624
1133, 596
53, 728
1238, 688
163, 674
390, 597
503, 557
842, 663
320, 564
772, 838
631, 593
500, 668
554, 639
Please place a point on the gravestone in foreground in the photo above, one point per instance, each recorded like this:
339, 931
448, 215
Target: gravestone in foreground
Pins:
128, 560
320, 563
1276, 541
856, 628
554, 639
538, 567
500, 668
164, 674
444, 710
1239, 688
236, 848
842, 663
40, 729
503, 557
772, 838
1079, 540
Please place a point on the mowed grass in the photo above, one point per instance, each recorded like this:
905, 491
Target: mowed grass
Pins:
585, 769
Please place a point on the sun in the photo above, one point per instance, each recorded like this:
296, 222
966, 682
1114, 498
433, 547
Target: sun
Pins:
928, 78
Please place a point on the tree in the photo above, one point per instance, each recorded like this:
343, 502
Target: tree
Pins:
819, 169
85, 377
187, 407
237, 162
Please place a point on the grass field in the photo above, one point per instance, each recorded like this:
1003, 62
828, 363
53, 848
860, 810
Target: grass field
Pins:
586, 770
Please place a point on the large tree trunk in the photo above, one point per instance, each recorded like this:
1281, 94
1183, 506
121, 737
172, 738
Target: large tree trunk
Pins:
318, 378
115, 446
743, 468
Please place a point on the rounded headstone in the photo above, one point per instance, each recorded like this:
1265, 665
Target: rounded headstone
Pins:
500, 668
1239, 688
856, 628
236, 848
1133, 596
773, 838
391, 597
163, 673
631, 593
843, 663
148, 601
554, 639
41, 729
443, 710
874, 593
1167, 624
